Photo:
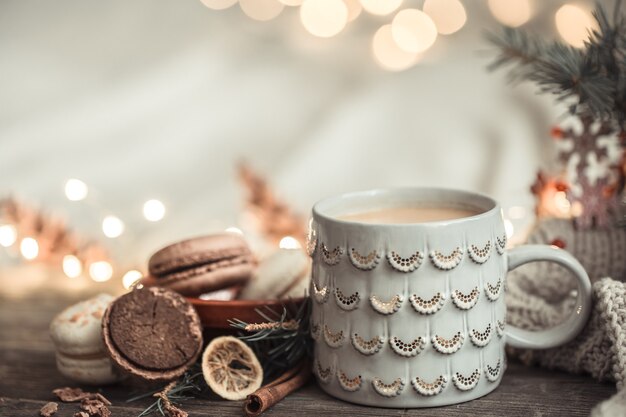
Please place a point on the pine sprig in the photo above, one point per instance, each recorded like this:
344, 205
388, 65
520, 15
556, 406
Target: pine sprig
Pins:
280, 342
187, 387
591, 79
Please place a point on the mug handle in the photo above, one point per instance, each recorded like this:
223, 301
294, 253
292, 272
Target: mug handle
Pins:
569, 329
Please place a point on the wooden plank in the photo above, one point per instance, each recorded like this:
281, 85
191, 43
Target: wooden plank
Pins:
524, 392
28, 375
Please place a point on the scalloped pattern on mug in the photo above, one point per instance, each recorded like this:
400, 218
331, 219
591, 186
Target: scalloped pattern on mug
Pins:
448, 346
320, 294
407, 349
500, 327
429, 389
316, 331
446, 262
492, 373
324, 374
367, 347
481, 339
430, 306
364, 262
501, 244
465, 301
347, 302
311, 243
334, 340
349, 384
493, 291
466, 383
388, 390
401, 264
480, 255
386, 307
331, 257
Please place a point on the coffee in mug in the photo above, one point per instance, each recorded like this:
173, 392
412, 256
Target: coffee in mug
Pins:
415, 214
407, 296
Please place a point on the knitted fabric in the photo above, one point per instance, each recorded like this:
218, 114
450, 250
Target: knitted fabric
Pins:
543, 294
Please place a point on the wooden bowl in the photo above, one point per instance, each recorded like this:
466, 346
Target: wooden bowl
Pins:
214, 314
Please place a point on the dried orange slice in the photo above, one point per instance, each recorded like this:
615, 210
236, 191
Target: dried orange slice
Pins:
231, 369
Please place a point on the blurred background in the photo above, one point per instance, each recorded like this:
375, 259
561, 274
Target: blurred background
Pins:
125, 122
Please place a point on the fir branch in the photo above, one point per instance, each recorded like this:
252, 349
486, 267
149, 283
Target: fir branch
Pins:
282, 341
173, 393
592, 79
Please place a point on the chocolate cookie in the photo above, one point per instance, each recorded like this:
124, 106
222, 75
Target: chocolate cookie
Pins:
202, 264
152, 333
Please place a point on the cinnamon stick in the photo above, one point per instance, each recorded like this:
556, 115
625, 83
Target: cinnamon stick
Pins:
270, 394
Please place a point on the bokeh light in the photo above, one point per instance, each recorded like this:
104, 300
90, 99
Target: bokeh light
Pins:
75, 190
449, 15
262, 10
235, 230
130, 278
388, 54
413, 30
153, 210
354, 9
380, 7
100, 271
561, 202
72, 267
324, 18
573, 24
29, 248
218, 4
576, 209
291, 2
511, 13
8, 235
112, 226
289, 242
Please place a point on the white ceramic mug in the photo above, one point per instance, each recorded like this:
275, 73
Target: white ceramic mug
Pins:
413, 315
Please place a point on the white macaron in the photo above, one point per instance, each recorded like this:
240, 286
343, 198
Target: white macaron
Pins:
77, 335
283, 274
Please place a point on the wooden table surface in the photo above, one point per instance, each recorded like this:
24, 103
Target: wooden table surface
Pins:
28, 374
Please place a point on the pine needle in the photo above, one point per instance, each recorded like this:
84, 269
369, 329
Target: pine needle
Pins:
173, 393
591, 80
280, 342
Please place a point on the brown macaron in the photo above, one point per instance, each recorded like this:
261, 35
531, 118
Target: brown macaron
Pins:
203, 264
152, 333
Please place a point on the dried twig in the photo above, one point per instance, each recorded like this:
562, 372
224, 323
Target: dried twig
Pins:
54, 238
170, 408
273, 217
